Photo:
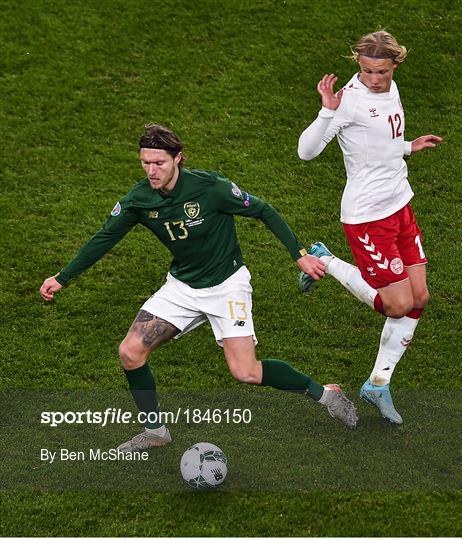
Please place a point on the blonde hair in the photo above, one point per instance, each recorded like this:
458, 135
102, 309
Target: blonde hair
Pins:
379, 44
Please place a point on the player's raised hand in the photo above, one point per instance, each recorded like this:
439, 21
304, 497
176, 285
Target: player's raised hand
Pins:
329, 98
313, 266
426, 141
49, 287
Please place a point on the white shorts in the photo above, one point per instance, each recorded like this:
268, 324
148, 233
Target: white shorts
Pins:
227, 306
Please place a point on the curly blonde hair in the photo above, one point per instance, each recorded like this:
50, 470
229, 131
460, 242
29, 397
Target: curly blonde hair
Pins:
379, 44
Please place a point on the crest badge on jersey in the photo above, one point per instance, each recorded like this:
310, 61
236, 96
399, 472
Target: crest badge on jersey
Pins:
192, 209
396, 266
153, 214
236, 191
116, 210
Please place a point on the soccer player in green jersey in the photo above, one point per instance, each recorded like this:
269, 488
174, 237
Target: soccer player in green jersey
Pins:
192, 213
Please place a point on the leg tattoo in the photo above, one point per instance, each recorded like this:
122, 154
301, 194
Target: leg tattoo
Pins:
144, 316
152, 330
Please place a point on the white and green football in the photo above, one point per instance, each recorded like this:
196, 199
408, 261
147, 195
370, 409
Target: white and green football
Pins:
204, 466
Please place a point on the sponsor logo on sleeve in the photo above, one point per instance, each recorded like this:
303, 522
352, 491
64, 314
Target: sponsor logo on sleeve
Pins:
246, 199
116, 210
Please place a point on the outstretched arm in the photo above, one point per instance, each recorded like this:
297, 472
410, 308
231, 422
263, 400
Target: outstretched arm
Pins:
325, 88
231, 200
425, 141
320, 132
279, 227
112, 232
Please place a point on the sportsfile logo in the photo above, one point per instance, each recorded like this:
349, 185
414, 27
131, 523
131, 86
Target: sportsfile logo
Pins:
117, 416
101, 418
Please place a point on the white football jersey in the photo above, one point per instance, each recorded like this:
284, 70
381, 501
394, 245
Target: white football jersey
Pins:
370, 131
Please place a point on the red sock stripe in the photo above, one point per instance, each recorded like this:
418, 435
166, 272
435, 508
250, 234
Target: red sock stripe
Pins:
415, 313
378, 304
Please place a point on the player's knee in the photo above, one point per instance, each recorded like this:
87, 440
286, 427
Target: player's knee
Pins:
421, 299
131, 357
245, 374
399, 308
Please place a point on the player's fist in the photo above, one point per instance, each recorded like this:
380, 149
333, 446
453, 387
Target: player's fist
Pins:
49, 287
313, 266
329, 98
426, 141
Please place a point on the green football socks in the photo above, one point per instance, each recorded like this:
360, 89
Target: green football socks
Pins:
143, 389
283, 376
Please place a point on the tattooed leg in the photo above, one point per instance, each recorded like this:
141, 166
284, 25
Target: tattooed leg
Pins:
152, 330
145, 334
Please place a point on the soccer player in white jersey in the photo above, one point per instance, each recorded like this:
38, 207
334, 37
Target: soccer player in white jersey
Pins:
367, 118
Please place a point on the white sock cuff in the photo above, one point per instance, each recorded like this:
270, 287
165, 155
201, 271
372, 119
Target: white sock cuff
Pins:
406, 325
323, 398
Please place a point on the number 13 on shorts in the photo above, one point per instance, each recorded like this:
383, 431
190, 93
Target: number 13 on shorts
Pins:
237, 310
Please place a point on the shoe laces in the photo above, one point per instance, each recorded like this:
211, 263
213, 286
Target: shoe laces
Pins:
339, 403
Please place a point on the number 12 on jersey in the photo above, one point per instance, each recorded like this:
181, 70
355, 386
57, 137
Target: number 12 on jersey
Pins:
395, 124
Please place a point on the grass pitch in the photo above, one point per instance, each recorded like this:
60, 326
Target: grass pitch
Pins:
237, 81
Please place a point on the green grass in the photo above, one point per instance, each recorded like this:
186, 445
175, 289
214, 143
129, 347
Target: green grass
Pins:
263, 456
236, 80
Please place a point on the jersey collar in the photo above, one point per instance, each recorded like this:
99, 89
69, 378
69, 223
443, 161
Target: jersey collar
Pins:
176, 190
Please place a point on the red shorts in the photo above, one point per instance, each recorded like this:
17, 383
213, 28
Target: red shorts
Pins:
384, 248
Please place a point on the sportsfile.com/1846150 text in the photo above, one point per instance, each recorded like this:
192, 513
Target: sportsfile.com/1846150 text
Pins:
118, 416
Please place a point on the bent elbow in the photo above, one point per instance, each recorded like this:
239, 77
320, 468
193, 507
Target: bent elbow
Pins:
305, 154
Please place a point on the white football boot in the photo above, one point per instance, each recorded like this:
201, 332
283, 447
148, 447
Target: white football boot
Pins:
145, 441
338, 405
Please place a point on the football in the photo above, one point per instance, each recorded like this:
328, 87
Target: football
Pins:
204, 466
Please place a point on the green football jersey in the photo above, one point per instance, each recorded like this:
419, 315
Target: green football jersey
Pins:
194, 221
